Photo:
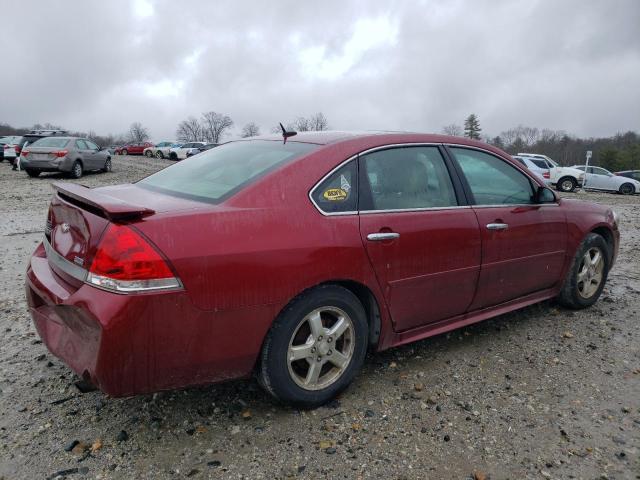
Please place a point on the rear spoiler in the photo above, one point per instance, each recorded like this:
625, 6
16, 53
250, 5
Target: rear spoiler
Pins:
110, 207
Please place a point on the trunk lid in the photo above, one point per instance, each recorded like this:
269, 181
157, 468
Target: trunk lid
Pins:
78, 216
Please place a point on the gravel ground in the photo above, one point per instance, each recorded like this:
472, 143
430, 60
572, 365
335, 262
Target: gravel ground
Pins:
540, 393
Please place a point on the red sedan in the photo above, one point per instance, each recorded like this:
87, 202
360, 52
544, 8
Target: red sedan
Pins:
291, 259
133, 148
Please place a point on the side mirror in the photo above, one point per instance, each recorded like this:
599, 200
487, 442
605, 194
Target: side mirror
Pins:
545, 195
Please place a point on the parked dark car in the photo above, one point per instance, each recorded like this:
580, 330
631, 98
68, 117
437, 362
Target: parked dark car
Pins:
292, 259
72, 155
634, 174
133, 148
200, 149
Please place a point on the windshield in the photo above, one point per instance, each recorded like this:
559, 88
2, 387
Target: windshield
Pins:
216, 174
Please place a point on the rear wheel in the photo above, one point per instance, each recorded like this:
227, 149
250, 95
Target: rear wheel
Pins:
159, 154
315, 347
76, 170
107, 166
32, 173
626, 189
148, 154
173, 156
567, 184
588, 273
124, 152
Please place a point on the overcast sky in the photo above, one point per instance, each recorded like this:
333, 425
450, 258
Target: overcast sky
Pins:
408, 65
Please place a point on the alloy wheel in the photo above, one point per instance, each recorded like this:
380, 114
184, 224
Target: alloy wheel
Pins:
321, 348
566, 186
590, 272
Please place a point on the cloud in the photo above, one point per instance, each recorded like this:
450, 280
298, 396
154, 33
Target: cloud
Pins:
366, 64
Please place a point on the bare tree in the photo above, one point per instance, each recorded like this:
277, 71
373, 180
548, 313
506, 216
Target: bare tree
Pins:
214, 126
251, 129
300, 124
318, 122
452, 129
137, 133
189, 130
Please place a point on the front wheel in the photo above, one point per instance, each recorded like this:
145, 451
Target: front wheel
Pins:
159, 154
107, 166
567, 184
588, 273
315, 347
626, 189
124, 152
148, 154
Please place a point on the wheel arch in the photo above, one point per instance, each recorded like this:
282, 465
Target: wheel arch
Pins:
607, 234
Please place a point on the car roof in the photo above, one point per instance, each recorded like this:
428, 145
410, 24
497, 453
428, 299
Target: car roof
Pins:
330, 137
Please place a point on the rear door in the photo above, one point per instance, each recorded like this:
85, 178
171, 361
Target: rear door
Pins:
93, 153
523, 243
422, 241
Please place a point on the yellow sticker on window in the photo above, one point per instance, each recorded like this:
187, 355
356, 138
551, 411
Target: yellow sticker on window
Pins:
335, 195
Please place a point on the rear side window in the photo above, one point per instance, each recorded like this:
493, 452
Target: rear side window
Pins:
540, 163
220, 172
492, 180
51, 142
338, 193
80, 145
406, 178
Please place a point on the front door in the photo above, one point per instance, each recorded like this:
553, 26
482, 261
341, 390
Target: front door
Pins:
523, 243
423, 244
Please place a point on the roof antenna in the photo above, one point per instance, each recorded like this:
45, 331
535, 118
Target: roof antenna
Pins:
286, 134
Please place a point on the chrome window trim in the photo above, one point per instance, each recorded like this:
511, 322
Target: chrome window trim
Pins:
420, 144
63, 264
319, 182
355, 158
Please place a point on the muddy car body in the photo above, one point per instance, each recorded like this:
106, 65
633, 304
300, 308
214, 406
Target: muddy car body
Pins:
292, 259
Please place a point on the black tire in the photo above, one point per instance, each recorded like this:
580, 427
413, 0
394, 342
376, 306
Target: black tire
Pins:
570, 295
274, 371
76, 170
627, 189
107, 165
173, 156
566, 184
148, 154
159, 154
32, 173
124, 152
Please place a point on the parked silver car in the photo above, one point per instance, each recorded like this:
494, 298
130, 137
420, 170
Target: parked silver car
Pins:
72, 155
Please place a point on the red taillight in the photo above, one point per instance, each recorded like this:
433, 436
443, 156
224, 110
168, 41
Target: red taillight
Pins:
126, 262
546, 174
61, 153
25, 153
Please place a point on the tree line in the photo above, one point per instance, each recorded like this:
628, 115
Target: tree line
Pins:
618, 152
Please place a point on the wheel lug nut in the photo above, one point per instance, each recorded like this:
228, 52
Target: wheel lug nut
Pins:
320, 337
313, 349
329, 340
319, 359
329, 352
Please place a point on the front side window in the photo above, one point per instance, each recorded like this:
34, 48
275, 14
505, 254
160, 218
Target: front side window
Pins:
338, 193
220, 172
492, 180
406, 178
600, 171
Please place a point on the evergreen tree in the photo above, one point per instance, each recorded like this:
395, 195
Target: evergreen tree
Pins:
472, 127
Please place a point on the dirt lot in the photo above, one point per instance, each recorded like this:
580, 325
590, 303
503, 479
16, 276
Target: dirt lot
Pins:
540, 393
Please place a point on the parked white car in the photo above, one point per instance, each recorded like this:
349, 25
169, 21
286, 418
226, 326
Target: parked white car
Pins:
565, 179
162, 147
534, 166
180, 153
598, 178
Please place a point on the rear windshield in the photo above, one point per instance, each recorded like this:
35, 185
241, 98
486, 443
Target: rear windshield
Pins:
216, 174
50, 142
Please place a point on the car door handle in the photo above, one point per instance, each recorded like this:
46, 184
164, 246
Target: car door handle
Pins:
379, 237
497, 226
